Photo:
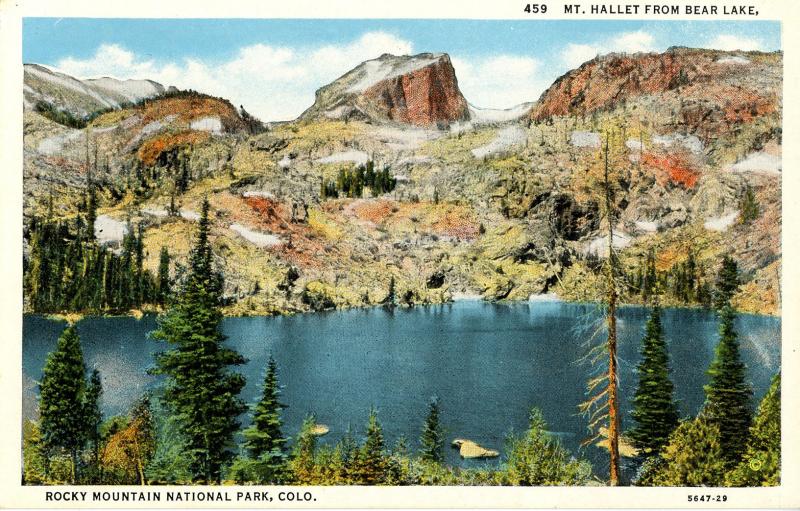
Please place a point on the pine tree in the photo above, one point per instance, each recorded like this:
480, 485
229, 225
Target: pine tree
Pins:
264, 441
728, 393
61, 399
94, 417
654, 407
373, 462
432, 438
761, 463
727, 283
163, 276
201, 390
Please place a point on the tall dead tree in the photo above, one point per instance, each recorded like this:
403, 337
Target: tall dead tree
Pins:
602, 404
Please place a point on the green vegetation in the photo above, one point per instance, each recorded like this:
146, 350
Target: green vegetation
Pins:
432, 438
351, 182
67, 270
65, 423
654, 407
264, 442
728, 393
201, 390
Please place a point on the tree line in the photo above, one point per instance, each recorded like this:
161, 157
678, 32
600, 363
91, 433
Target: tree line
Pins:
187, 432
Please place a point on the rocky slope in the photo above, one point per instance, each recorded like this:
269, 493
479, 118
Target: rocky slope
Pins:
82, 97
497, 207
421, 90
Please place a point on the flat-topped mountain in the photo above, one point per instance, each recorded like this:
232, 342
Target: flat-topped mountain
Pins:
732, 85
421, 90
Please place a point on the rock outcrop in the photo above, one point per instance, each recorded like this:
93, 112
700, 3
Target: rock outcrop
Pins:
724, 86
421, 90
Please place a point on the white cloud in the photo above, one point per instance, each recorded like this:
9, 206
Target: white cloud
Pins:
499, 81
274, 83
732, 42
574, 54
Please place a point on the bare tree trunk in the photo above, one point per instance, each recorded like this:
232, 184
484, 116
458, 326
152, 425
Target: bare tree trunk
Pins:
613, 406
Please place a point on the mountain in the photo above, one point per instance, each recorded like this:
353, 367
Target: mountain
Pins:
459, 201
710, 86
420, 90
82, 97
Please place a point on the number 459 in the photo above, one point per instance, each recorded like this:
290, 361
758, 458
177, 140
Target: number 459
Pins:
535, 8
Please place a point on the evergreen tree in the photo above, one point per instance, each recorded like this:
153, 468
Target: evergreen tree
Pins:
264, 441
302, 464
61, 399
537, 459
727, 283
94, 418
654, 407
693, 457
373, 461
728, 393
163, 276
391, 296
201, 390
748, 206
432, 438
761, 463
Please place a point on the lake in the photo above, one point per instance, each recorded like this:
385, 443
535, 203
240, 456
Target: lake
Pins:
488, 363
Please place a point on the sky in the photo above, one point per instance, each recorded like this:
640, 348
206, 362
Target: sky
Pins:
273, 67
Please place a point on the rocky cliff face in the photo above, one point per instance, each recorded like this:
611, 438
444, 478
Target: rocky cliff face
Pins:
715, 87
421, 90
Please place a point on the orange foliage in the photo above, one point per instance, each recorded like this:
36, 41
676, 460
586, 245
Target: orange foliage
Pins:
672, 168
150, 149
190, 108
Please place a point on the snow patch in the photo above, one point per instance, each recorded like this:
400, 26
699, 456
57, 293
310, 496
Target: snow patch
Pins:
401, 139
721, 223
285, 162
491, 115
544, 297
132, 90
377, 70
646, 226
54, 144
359, 157
184, 213
257, 238
505, 138
634, 144
211, 124
258, 193
689, 142
109, 231
599, 246
759, 162
584, 139
464, 297
736, 59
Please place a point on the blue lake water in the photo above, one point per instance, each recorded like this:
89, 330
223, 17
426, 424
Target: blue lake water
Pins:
488, 363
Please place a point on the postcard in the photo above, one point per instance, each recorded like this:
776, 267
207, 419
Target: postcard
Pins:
356, 255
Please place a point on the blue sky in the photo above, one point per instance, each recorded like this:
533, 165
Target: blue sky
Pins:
273, 67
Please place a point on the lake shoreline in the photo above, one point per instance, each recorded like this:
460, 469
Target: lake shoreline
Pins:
73, 316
